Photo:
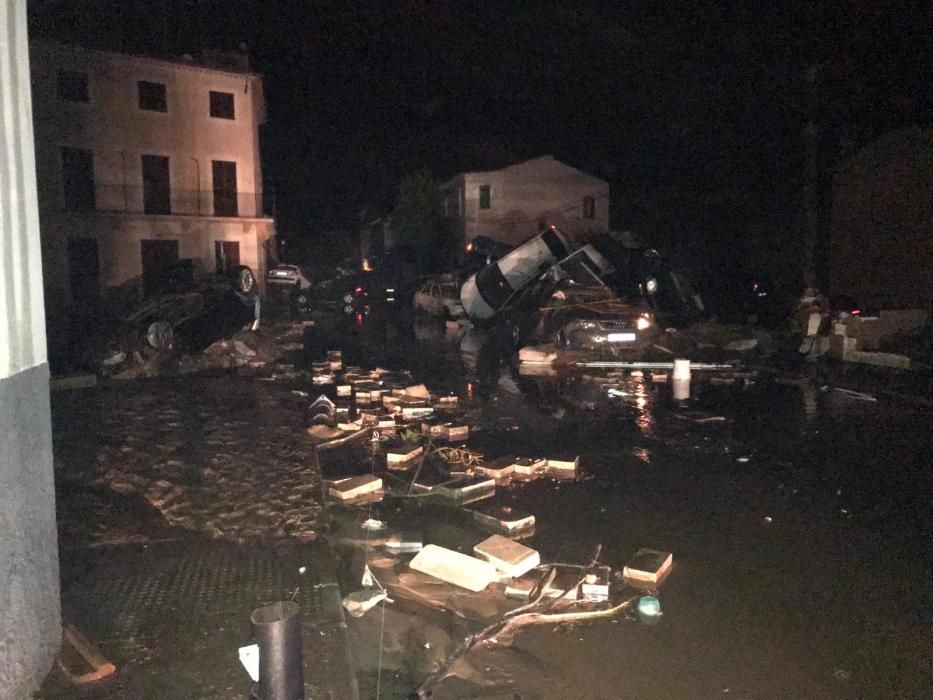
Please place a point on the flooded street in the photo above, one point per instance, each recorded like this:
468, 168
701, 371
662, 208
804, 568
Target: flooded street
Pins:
799, 520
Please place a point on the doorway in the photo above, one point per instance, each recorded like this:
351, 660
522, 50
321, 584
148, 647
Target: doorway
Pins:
84, 271
225, 192
159, 258
157, 188
226, 256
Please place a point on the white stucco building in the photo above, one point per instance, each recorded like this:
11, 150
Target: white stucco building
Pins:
514, 203
141, 163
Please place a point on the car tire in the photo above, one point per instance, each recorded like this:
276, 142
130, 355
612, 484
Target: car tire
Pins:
160, 335
244, 281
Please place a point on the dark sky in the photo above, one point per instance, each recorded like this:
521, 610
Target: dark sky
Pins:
694, 112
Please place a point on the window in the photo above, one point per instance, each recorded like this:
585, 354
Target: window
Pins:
152, 96
589, 208
72, 86
222, 105
157, 188
225, 192
78, 179
485, 197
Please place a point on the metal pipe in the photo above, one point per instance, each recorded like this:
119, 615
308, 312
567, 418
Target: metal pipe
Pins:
277, 629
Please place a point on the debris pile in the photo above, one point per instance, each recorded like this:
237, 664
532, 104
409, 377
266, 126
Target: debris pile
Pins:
427, 520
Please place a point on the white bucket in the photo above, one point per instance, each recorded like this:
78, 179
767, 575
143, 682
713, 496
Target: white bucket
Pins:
681, 370
681, 389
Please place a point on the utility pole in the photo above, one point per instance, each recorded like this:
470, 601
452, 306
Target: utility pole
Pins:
811, 177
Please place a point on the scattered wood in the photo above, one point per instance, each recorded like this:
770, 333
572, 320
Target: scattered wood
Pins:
100, 667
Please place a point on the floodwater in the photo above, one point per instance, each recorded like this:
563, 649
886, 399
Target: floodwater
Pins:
800, 524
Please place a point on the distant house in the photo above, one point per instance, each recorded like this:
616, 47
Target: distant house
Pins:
141, 162
881, 230
518, 201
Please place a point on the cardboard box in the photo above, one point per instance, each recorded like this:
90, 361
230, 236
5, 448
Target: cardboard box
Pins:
502, 519
648, 566
507, 556
453, 567
346, 489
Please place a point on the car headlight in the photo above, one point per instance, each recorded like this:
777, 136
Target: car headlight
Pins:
651, 285
643, 323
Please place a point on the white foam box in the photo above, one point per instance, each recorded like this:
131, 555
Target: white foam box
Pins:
386, 423
344, 390
416, 411
363, 398
449, 401
453, 567
404, 542
595, 584
507, 556
419, 391
433, 428
406, 401
563, 465
403, 453
463, 489
499, 469
389, 401
502, 519
431, 479
529, 466
456, 433
648, 566
355, 486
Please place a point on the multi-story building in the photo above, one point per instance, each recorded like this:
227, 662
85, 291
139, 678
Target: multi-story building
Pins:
514, 203
141, 163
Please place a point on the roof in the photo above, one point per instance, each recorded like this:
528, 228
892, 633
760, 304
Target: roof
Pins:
211, 61
510, 166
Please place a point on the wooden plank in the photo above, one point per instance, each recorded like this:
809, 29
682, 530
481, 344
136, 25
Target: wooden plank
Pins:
101, 667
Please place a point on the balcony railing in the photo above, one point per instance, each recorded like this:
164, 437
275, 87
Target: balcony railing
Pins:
163, 200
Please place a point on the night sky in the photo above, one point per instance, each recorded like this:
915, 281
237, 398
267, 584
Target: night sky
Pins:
694, 113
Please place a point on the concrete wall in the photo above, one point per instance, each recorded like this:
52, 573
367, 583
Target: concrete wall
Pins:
30, 624
523, 196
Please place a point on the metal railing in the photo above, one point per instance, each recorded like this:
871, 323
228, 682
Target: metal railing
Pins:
164, 200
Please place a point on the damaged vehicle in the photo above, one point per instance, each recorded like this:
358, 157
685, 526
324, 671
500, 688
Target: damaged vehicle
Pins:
439, 296
590, 319
188, 314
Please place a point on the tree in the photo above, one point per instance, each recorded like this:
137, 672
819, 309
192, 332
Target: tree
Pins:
418, 218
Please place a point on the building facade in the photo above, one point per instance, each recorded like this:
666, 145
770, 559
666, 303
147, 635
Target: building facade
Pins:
142, 163
514, 203
881, 229
30, 622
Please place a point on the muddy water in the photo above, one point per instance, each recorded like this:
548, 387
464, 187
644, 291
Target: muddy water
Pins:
800, 526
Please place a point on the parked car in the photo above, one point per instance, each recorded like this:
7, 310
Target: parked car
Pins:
439, 296
285, 275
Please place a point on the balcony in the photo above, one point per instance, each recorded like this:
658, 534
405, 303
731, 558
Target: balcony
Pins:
163, 200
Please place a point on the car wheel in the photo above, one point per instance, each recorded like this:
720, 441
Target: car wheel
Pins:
160, 335
243, 279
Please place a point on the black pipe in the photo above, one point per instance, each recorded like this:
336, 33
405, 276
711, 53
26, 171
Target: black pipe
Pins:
277, 629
